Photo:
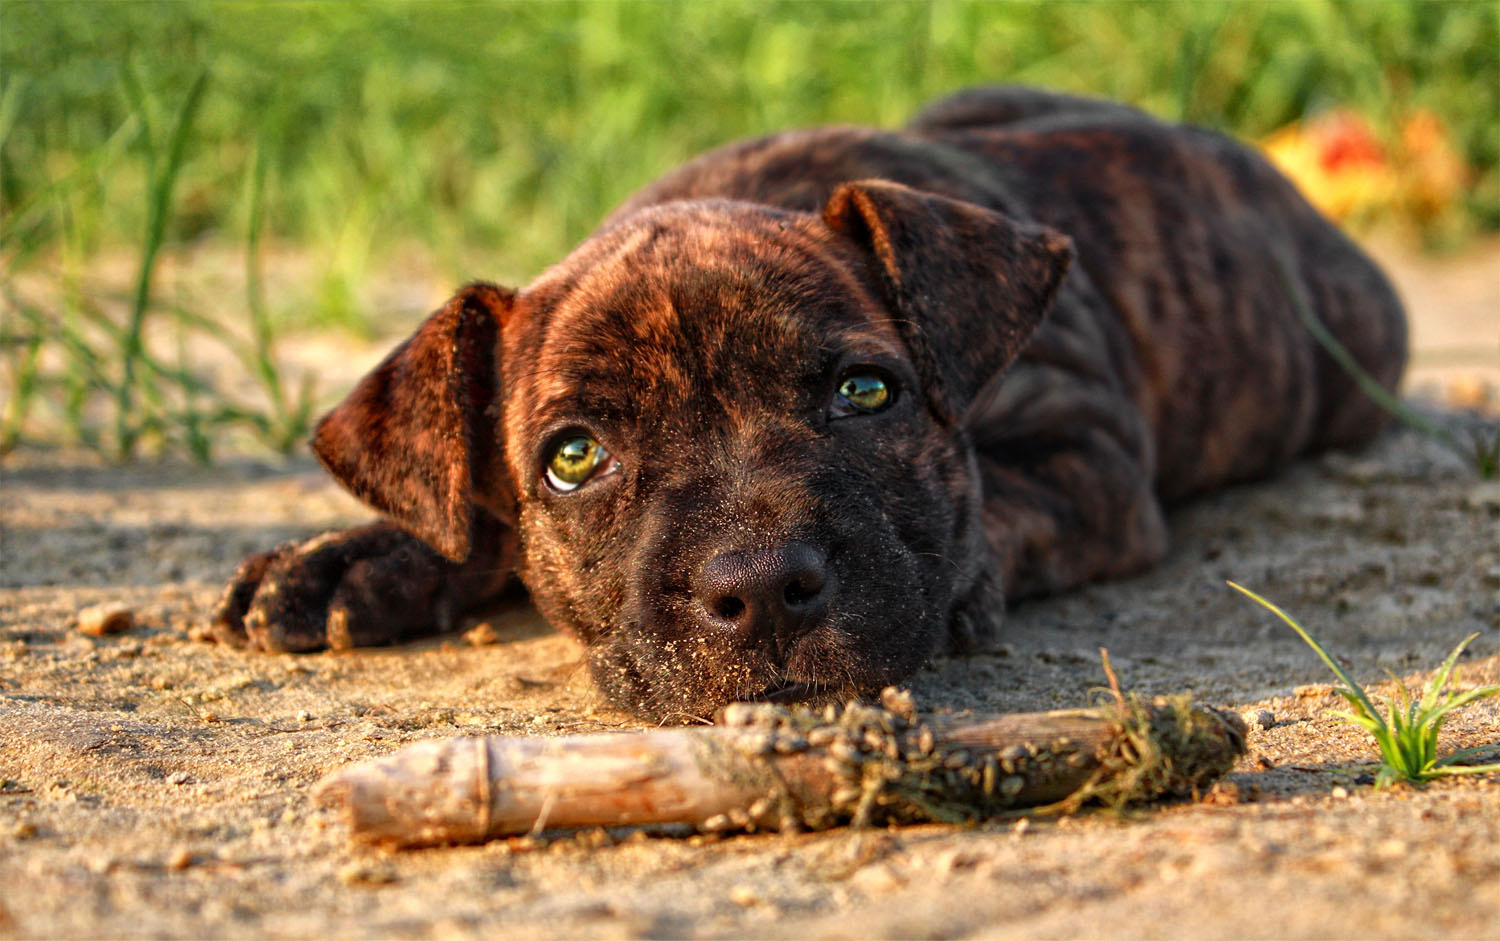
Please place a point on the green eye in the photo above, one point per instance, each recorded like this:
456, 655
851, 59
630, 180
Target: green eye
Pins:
574, 462
863, 392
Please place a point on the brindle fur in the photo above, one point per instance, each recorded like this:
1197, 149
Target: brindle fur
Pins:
700, 335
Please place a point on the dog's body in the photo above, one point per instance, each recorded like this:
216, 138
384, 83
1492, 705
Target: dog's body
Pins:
770, 374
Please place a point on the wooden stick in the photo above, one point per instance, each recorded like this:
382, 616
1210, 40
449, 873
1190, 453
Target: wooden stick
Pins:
773, 768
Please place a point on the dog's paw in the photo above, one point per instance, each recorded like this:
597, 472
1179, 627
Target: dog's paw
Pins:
353, 588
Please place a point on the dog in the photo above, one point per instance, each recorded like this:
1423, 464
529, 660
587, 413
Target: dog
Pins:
810, 409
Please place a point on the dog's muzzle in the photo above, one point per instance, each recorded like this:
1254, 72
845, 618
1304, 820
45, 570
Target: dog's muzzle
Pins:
764, 599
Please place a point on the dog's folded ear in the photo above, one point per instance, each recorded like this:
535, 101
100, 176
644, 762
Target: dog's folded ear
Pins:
417, 439
968, 285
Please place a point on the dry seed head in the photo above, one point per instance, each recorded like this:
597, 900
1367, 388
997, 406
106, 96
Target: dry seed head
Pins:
925, 740
845, 752
789, 744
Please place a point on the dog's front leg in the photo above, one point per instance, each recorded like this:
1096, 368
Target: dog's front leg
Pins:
1067, 483
361, 587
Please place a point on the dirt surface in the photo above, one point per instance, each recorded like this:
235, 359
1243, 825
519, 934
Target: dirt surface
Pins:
154, 786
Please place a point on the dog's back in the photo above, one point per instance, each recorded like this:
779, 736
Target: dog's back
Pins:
1194, 256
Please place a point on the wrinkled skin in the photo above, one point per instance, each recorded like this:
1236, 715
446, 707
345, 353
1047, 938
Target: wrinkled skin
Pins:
1078, 315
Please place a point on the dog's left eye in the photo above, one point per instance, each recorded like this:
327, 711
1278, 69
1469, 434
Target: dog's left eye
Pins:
860, 393
575, 461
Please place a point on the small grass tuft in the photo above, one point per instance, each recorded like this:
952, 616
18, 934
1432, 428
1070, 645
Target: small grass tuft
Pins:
1408, 738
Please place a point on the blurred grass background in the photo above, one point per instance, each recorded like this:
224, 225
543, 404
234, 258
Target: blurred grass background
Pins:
189, 173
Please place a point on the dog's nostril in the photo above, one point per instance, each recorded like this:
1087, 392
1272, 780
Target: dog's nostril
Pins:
728, 608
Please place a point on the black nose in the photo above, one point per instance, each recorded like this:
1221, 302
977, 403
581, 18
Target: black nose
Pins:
765, 594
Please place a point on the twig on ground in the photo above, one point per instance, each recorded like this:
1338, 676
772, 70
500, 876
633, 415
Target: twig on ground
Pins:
768, 767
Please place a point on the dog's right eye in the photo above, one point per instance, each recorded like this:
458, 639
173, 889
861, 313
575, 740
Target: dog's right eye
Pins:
575, 461
861, 392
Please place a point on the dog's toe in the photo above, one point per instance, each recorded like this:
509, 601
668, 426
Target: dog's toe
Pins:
228, 623
386, 599
289, 609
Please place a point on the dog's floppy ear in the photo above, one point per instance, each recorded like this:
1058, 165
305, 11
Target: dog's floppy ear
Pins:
416, 438
968, 285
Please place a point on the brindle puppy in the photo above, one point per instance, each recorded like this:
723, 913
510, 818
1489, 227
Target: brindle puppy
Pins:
747, 440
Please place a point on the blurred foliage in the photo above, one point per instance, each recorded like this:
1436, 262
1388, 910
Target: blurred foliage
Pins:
498, 134
494, 136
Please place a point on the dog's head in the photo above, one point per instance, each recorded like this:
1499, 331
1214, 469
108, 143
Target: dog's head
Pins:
728, 438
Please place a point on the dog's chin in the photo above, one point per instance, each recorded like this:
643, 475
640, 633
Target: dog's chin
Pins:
689, 682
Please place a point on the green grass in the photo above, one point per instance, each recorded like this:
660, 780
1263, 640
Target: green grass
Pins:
486, 139
1408, 734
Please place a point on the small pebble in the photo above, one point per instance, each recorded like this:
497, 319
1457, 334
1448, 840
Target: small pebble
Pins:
1339, 792
743, 896
1483, 496
208, 716
877, 880
481, 635
955, 859
304, 716
361, 873
179, 777
23, 830
103, 619
1392, 849
597, 838
179, 860
1261, 719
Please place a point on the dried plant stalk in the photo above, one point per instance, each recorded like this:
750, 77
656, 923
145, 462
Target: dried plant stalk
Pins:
768, 767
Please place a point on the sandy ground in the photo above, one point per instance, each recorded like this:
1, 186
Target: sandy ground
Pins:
155, 786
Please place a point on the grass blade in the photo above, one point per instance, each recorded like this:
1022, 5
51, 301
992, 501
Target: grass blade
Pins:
1440, 679
1463, 699
1466, 769
23, 388
1464, 753
1354, 690
164, 178
1389, 403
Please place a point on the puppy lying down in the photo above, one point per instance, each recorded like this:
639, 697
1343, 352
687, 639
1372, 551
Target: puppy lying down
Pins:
809, 409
